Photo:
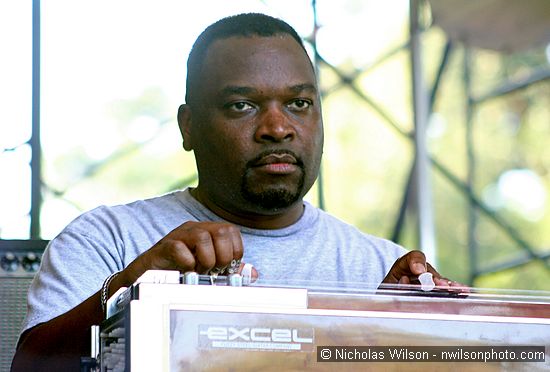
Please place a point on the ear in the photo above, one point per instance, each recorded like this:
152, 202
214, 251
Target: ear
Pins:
184, 123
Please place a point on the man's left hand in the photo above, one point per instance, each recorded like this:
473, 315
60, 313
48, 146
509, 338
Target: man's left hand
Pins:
408, 267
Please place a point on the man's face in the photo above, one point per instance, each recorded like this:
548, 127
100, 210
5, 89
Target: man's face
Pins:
256, 127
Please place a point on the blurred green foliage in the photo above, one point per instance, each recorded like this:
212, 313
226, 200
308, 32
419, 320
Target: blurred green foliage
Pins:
367, 162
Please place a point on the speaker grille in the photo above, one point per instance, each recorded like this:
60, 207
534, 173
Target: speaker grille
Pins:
13, 306
19, 260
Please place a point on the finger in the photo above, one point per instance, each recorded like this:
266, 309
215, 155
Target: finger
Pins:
238, 248
404, 280
458, 284
197, 239
442, 282
167, 254
203, 247
416, 261
463, 288
223, 238
432, 270
451, 286
248, 270
182, 257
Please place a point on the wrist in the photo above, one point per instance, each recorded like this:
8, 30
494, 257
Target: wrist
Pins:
104, 293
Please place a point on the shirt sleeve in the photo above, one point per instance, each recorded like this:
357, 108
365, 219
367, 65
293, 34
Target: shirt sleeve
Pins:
73, 268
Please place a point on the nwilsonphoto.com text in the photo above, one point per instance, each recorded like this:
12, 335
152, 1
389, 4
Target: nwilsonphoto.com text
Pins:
485, 354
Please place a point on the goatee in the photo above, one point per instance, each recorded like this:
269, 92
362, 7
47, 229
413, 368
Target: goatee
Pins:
278, 195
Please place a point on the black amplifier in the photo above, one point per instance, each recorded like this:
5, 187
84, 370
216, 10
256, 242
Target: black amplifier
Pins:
19, 261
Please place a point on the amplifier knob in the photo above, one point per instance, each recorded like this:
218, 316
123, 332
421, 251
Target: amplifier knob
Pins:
9, 262
31, 262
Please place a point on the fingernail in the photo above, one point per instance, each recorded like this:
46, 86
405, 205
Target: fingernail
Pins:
420, 268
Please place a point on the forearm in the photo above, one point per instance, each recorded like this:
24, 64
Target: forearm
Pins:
58, 344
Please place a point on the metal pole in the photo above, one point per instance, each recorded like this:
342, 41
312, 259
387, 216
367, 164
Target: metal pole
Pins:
421, 100
470, 181
320, 188
36, 160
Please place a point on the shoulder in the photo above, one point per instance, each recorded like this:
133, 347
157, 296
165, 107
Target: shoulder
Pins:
166, 203
122, 230
94, 245
156, 209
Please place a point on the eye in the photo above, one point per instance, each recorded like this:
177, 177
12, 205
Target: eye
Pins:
239, 106
300, 104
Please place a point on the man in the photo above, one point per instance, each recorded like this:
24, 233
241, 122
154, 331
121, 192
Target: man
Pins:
253, 119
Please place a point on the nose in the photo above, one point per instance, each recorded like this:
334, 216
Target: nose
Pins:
274, 126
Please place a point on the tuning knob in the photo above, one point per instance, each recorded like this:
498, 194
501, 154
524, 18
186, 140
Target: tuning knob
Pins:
31, 262
9, 262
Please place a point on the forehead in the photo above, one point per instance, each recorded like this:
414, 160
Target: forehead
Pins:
268, 62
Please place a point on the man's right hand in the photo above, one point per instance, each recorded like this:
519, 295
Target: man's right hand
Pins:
192, 246
58, 344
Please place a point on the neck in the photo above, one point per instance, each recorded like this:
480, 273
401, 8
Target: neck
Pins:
276, 220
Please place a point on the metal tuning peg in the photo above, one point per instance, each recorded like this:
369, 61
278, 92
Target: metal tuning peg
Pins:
193, 278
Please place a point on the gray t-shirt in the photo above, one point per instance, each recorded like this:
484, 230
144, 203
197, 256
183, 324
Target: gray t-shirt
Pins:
317, 248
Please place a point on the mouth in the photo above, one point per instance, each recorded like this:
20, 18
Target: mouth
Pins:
276, 159
279, 163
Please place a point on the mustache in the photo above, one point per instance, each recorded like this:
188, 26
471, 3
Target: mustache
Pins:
252, 163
